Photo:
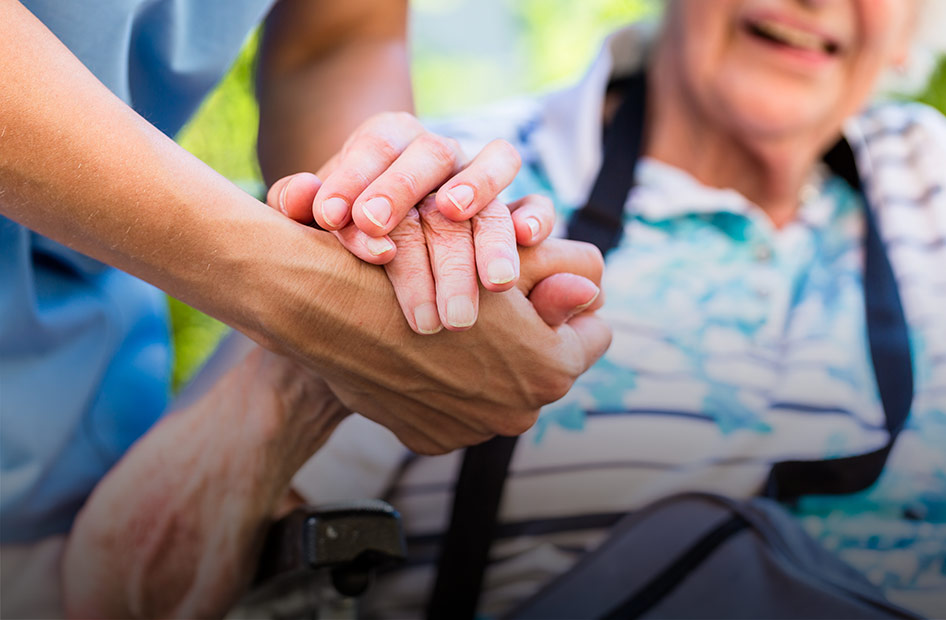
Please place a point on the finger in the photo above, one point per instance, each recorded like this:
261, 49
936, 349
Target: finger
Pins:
559, 256
374, 250
421, 168
329, 166
590, 334
450, 245
479, 183
411, 276
534, 218
367, 154
292, 195
561, 296
494, 242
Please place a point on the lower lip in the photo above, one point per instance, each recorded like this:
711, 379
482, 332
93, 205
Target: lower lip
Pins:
808, 59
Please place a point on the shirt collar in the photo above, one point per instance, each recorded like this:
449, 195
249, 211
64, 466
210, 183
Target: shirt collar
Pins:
568, 135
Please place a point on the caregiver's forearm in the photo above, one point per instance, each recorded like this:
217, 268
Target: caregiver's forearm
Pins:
78, 165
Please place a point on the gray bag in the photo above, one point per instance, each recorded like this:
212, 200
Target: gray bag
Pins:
702, 555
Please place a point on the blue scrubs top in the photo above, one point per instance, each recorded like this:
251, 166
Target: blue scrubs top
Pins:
84, 348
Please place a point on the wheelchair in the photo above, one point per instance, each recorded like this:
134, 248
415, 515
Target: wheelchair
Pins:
316, 560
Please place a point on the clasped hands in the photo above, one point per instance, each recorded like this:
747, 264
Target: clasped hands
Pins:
174, 529
368, 197
438, 393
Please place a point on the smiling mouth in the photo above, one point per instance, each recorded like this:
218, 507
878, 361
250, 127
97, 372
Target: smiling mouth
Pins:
782, 34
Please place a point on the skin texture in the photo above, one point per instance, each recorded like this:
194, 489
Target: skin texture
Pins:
175, 528
739, 112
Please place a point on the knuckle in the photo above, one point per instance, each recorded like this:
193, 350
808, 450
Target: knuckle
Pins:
403, 183
438, 149
402, 118
346, 182
453, 269
551, 388
453, 145
517, 422
380, 145
560, 386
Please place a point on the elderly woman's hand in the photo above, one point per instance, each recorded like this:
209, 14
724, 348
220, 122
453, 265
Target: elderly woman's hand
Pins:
175, 528
437, 286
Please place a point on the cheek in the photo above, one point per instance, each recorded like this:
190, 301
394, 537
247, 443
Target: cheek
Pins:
886, 27
702, 29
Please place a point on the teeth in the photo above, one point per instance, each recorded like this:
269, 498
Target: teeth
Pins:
792, 36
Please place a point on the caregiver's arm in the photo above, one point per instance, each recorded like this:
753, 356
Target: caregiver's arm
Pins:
78, 165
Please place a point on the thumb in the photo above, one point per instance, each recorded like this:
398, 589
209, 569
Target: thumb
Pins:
561, 296
293, 195
559, 256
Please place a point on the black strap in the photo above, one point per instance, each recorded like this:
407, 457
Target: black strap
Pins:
464, 552
889, 340
476, 500
601, 220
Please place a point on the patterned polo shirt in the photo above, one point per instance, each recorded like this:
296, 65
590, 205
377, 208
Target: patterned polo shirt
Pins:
736, 345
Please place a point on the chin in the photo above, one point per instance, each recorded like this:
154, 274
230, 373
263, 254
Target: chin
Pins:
776, 111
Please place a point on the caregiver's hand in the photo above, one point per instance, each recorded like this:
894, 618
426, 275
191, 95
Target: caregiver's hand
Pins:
452, 389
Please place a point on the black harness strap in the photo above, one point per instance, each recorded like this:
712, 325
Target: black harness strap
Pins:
465, 551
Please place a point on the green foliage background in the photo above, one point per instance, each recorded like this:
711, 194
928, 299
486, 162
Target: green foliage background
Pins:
555, 40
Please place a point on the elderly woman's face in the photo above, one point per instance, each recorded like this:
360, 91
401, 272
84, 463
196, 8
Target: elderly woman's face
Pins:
779, 67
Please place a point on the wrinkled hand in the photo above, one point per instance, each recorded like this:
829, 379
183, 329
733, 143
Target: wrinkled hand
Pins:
175, 528
406, 163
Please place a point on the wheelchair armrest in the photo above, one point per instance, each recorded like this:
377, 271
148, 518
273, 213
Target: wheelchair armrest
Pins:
350, 541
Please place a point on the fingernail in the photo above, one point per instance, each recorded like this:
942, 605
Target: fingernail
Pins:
334, 211
378, 210
500, 271
588, 303
282, 197
427, 319
378, 245
534, 226
460, 311
461, 196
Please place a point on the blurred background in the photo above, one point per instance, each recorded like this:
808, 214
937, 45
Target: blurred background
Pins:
465, 54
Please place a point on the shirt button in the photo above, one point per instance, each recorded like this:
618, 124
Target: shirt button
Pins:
807, 193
